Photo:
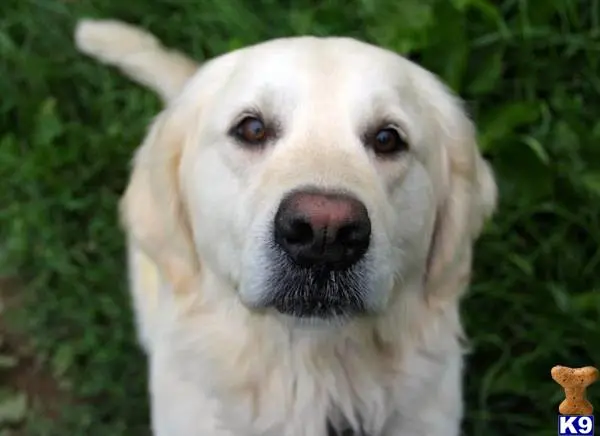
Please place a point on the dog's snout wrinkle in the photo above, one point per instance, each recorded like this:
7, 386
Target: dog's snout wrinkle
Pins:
321, 228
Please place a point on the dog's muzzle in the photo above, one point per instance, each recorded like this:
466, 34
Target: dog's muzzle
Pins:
320, 241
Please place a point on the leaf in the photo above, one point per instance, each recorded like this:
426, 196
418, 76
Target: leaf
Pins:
460, 4
234, 44
62, 360
524, 178
301, 21
587, 301
489, 73
489, 10
522, 263
561, 297
596, 131
537, 148
7, 44
591, 181
13, 408
417, 17
502, 122
447, 49
456, 66
564, 138
48, 124
417, 14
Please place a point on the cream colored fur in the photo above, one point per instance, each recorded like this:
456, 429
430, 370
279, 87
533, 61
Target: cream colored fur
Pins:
136, 53
197, 210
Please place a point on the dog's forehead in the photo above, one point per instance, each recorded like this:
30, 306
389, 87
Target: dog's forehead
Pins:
342, 74
313, 51
304, 62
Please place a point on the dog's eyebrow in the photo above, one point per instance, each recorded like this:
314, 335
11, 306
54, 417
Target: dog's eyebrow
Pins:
265, 96
383, 110
261, 104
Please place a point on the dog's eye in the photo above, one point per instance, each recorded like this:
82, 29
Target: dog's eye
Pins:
388, 141
251, 130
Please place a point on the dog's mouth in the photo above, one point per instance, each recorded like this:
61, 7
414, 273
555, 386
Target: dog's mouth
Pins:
317, 291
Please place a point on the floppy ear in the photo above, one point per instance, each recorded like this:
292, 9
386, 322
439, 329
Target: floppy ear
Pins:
152, 209
467, 201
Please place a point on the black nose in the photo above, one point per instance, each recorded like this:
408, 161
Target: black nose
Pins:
320, 228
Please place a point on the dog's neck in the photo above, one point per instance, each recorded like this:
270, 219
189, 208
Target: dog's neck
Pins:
236, 352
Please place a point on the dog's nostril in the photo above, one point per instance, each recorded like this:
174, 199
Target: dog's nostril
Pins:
349, 234
300, 232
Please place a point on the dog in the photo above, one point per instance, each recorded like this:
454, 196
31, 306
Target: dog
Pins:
300, 222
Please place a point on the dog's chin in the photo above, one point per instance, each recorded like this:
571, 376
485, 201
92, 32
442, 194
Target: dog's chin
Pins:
317, 295
317, 305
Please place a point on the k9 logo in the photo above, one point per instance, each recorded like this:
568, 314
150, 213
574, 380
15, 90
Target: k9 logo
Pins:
575, 425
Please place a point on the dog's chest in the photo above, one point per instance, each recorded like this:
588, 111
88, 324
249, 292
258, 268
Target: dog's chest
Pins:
259, 384
321, 396
261, 388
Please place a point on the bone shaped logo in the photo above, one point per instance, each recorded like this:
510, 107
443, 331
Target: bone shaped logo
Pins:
575, 381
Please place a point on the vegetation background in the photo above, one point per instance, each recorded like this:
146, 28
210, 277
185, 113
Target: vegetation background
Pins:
529, 71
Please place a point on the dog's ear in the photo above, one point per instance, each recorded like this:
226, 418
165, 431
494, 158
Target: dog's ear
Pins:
468, 198
152, 209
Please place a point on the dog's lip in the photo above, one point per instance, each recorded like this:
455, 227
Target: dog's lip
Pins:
314, 308
317, 302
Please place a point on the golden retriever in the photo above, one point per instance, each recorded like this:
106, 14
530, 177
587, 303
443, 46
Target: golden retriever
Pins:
300, 222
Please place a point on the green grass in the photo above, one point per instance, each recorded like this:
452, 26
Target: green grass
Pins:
529, 72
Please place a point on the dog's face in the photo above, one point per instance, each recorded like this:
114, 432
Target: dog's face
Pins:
317, 177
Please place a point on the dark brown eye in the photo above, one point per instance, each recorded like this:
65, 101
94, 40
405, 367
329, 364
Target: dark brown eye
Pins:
251, 130
389, 141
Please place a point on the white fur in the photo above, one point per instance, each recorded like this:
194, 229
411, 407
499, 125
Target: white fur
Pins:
137, 53
197, 213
